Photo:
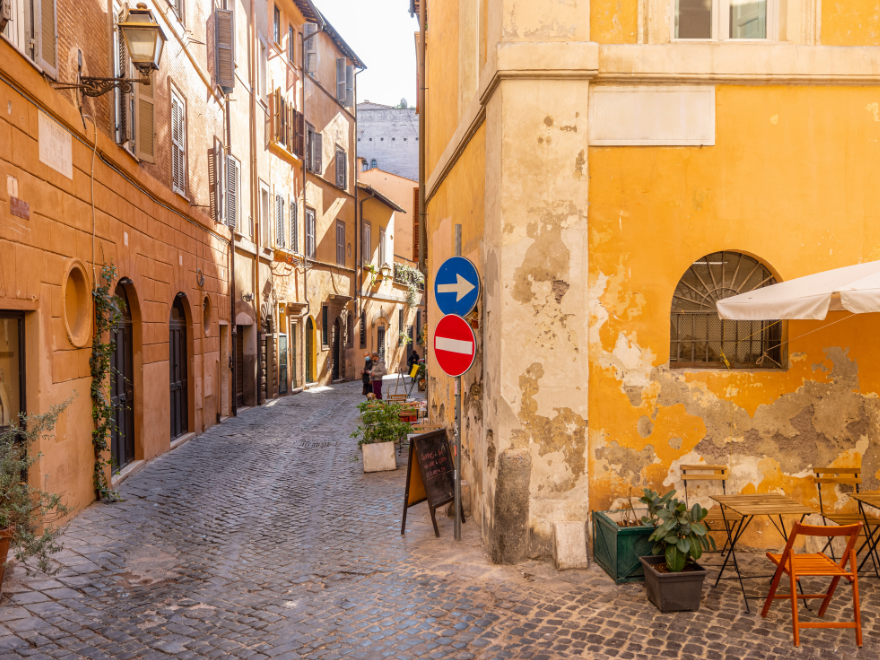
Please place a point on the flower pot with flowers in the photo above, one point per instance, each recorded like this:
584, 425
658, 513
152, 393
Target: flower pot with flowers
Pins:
673, 578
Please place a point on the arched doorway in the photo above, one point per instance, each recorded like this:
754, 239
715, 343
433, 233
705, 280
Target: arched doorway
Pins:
310, 349
122, 387
337, 349
177, 359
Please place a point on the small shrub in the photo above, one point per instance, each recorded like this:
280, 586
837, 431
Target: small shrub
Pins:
28, 512
380, 422
679, 534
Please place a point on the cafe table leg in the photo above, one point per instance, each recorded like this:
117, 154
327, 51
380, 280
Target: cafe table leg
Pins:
870, 541
739, 531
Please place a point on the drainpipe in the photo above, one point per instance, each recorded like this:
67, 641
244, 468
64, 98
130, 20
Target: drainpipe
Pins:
423, 215
358, 213
305, 76
234, 329
255, 189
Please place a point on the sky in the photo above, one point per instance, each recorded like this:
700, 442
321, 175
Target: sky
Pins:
381, 33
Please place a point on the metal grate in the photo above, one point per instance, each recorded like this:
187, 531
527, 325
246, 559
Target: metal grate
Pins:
698, 335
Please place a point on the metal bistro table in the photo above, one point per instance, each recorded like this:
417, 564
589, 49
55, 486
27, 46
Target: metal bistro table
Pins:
872, 536
749, 506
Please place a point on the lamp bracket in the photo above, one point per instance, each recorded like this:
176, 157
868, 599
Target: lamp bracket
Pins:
93, 87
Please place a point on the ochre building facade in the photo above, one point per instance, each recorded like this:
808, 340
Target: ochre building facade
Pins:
616, 167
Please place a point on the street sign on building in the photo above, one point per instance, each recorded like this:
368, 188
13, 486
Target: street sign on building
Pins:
455, 345
457, 286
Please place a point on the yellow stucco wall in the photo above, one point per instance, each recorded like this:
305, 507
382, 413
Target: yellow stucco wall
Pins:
459, 200
799, 205
442, 93
614, 21
851, 23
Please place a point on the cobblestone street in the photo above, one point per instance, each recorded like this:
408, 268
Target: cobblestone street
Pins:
262, 538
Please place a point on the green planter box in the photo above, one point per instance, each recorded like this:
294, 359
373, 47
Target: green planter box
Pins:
617, 549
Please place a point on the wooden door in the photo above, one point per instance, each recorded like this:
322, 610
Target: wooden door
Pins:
282, 364
335, 343
294, 356
310, 348
239, 366
177, 367
122, 389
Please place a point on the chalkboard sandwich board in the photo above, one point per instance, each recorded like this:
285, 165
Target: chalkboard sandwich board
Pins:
429, 475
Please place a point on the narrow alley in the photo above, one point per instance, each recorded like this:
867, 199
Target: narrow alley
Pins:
262, 538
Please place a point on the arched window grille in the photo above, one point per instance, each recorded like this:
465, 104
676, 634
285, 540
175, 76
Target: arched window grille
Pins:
699, 335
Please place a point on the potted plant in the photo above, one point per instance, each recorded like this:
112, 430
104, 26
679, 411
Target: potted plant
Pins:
619, 540
27, 513
379, 429
673, 578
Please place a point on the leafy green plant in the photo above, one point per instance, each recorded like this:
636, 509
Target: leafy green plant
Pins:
27, 513
108, 312
405, 339
380, 422
679, 534
373, 271
412, 278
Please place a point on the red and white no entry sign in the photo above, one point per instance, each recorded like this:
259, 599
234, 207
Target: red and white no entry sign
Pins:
455, 346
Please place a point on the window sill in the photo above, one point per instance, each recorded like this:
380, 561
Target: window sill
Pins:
25, 56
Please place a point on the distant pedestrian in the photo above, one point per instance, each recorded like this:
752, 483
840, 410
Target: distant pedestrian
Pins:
365, 374
377, 374
412, 361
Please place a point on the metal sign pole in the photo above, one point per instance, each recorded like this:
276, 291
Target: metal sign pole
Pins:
457, 457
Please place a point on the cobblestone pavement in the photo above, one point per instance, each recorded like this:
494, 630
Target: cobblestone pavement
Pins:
263, 539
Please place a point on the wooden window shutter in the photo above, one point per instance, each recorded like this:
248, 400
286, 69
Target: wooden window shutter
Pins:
145, 134
282, 115
294, 233
224, 23
178, 144
415, 244
311, 49
300, 134
340, 79
319, 153
349, 86
279, 221
45, 17
340, 168
310, 233
215, 180
368, 247
231, 192
340, 242
123, 100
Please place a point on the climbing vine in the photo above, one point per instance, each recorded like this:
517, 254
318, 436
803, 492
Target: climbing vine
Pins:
108, 312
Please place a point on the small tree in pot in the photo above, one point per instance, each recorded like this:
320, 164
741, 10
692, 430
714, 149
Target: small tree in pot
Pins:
673, 579
27, 513
379, 429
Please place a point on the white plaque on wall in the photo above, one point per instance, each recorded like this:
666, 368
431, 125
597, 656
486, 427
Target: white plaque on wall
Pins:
56, 149
642, 115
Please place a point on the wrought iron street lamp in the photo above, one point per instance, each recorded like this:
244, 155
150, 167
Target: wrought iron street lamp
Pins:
144, 40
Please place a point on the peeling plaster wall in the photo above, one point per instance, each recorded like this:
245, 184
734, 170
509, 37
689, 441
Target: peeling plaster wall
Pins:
656, 210
851, 23
614, 21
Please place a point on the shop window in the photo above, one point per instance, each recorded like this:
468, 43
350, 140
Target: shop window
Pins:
700, 338
12, 368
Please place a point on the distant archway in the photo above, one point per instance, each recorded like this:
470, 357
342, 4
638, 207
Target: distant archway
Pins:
178, 363
310, 350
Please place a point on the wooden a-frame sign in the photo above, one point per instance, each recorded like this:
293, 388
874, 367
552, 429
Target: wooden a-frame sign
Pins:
429, 473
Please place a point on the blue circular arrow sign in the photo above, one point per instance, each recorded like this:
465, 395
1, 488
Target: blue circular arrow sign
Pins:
457, 286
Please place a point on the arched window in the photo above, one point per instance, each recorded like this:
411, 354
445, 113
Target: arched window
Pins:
699, 336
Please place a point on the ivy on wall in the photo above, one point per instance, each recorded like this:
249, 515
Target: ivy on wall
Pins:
108, 313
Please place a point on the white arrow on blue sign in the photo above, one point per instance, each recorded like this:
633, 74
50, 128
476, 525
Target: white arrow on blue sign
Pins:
457, 286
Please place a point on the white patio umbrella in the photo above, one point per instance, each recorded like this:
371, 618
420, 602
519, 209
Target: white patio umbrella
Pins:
853, 288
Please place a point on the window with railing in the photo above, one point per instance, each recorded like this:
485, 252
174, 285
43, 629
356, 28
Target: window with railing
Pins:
406, 275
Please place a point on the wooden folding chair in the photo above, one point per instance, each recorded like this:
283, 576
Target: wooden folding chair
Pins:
853, 477
798, 566
715, 519
396, 397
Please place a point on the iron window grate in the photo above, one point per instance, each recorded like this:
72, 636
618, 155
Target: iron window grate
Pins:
698, 335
